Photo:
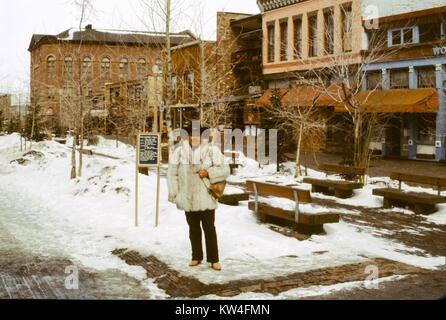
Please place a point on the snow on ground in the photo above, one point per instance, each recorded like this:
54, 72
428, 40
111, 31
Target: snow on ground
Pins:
85, 219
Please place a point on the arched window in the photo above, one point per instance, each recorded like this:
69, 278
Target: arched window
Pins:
105, 68
141, 68
51, 66
68, 66
87, 67
124, 67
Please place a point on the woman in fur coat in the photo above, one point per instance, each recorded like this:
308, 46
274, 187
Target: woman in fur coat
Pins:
193, 166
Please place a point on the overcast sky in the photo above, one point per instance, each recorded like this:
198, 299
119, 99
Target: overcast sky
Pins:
19, 19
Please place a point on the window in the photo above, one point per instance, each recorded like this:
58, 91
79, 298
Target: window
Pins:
374, 80
189, 81
399, 79
271, 43
68, 66
297, 38
426, 129
51, 66
402, 36
124, 67
347, 23
174, 83
284, 41
312, 36
141, 68
86, 67
329, 31
426, 77
68, 91
52, 91
105, 68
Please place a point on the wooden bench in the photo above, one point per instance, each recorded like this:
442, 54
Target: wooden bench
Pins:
234, 198
305, 223
419, 202
339, 188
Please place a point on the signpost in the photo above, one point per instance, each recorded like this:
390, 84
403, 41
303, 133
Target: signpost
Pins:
148, 155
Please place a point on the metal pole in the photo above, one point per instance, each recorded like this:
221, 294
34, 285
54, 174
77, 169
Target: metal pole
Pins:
136, 181
157, 195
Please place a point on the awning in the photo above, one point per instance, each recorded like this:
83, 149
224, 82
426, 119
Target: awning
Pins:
304, 97
396, 101
265, 99
309, 96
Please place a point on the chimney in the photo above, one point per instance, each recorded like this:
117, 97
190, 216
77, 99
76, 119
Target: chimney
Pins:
89, 27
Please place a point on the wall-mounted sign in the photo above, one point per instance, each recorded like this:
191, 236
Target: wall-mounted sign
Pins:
149, 150
439, 51
255, 90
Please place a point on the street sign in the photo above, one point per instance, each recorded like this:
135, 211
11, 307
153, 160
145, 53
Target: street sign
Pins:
149, 150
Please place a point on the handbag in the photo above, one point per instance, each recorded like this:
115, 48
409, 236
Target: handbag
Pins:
216, 190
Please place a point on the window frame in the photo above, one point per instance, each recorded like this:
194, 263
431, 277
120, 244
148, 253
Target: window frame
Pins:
271, 43
297, 37
51, 66
105, 66
415, 36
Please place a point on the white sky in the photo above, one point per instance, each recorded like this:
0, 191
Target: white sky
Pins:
19, 19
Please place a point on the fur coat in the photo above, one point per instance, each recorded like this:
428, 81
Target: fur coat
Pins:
186, 189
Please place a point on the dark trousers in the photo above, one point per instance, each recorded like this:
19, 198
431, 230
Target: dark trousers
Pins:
197, 221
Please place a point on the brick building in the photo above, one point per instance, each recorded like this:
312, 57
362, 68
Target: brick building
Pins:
80, 63
222, 75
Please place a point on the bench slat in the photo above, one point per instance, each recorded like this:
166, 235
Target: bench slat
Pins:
304, 218
413, 197
269, 189
345, 185
416, 178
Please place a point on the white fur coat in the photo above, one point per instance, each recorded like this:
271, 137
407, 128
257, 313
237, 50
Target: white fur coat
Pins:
186, 189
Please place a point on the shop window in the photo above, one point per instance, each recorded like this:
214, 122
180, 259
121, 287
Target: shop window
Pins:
399, 79
374, 80
426, 124
426, 77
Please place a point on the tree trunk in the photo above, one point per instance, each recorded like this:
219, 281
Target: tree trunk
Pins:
32, 129
73, 159
299, 143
